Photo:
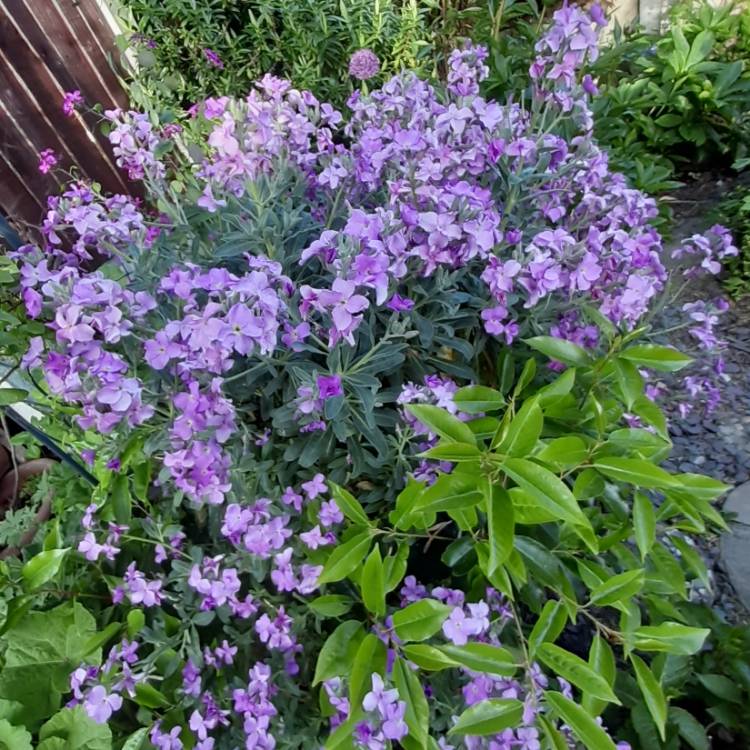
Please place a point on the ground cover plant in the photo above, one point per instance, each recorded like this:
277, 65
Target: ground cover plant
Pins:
372, 403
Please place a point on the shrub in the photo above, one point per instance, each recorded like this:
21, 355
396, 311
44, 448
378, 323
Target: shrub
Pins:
735, 212
293, 357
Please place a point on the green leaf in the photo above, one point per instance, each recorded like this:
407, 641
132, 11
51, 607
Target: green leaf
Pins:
348, 504
482, 657
394, 567
560, 350
429, 658
370, 657
652, 694
456, 452
700, 48
689, 728
420, 620
661, 358
671, 637
149, 697
341, 737
584, 726
410, 690
135, 741
634, 471
372, 583
454, 491
722, 687
332, 659
442, 423
136, 620
98, 640
10, 396
77, 731
523, 431
14, 738
527, 375
43, 567
345, 558
331, 605
576, 671
629, 380
559, 387
602, 661
488, 717
544, 487
548, 626
619, 587
644, 524
42, 649
121, 503
499, 524
476, 399
564, 452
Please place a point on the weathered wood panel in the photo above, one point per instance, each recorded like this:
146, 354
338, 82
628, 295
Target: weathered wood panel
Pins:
48, 47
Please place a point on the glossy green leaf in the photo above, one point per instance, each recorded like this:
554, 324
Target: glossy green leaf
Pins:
634, 471
584, 726
451, 491
332, 659
661, 358
43, 567
76, 731
559, 387
617, 588
149, 697
14, 738
10, 396
523, 431
564, 452
482, 657
558, 349
644, 524
345, 558
420, 620
576, 671
372, 583
394, 567
331, 605
476, 399
411, 691
429, 658
671, 637
456, 452
548, 626
370, 657
629, 380
442, 423
102, 637
500, 524
602, 661
689, 728
488, 717
348, 504
136, 740
135, 620
652, 693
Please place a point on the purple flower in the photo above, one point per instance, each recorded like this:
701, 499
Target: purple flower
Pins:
100, 705
213, 59
330, 514
315, 486
364, 64
458, 628
70, 101
47, 160
329, 386
394, 727
397, 303
379, 698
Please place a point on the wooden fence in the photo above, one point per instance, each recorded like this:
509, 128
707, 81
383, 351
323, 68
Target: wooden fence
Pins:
48, 47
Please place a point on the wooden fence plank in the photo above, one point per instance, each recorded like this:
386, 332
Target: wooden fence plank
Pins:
18, 203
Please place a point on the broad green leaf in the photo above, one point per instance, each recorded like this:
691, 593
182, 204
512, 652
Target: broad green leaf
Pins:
410, 690
341, 737
564, 452
476, 399
559, 387
77, 731
148, 696
420, 620
705, 488
700, 48
405, 502
332, 659
482, 657
331, 605
550, 492
121, 501
619, 587
43, 567
526, 510
661, 358
584, 726
671, 637
644, 442
499, 524
394, 567
527, 376
652, 694
576, 671
454, 491
456, 452
98, 640
602, 661
555, 738
345, 558
548, 626
370, 657
689, 728
136, 740
644, 524
429, 658
348, 504
10, 396
372, 583
523, 431
693, 560
488, 717
506, 371
721, 686
136, 620
442, 423
634, 471
630, 381
558, 349
14, 738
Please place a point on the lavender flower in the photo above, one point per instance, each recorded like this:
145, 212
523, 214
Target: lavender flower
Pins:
364, 64
47, 160
213, 59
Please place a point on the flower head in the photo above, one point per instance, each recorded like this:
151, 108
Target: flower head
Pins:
364, 64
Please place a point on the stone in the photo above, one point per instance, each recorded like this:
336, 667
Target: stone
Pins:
735, 544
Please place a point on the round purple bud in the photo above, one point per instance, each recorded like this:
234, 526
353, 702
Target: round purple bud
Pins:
364, 64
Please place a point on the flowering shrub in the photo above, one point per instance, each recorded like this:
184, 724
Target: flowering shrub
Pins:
268, 367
